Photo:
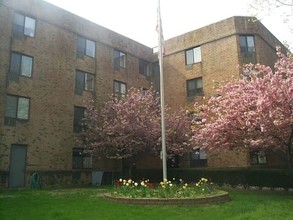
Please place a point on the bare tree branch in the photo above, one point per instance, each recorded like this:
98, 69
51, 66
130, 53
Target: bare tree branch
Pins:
285, 3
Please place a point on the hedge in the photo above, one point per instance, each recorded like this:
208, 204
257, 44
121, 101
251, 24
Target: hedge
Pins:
273, 178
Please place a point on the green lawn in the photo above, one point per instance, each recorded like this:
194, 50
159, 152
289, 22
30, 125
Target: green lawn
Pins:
88, 204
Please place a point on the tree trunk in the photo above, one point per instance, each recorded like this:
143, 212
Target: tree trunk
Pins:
290, 149
290, 159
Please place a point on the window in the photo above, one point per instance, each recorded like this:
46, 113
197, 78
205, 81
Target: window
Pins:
119, 59
194, 87
78, 119
17, 108
247, 49
84, 82
173, 162
23, 25
120, 88
81, 160
143, 67
193, 55
198, 158
156, 76
20, 65
257, 158
247, 44
85, 47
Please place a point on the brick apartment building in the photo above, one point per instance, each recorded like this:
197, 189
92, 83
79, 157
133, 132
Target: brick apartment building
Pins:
52, 60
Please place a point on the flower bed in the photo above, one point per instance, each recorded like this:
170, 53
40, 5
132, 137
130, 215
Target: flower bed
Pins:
167, 192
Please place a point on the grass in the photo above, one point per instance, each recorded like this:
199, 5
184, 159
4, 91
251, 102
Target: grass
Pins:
88, 203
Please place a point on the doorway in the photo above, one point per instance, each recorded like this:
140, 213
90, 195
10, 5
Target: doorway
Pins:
17, 166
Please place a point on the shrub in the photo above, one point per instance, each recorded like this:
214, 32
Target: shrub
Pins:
273, 178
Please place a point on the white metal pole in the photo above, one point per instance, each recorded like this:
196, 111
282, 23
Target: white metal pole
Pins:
164, 151
161, 40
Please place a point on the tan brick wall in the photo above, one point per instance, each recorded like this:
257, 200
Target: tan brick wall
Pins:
221, 58
49, 131
233, 158
107, 165
218, 64
145, 161
5, 29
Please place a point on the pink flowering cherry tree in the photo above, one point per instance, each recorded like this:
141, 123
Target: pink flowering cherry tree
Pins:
124, 127
255, 112
130, 125
178, 132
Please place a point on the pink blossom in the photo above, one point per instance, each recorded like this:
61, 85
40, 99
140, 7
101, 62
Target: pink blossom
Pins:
131, 125
255, 113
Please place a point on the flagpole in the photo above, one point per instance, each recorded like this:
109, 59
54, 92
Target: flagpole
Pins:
164, 151
160, 56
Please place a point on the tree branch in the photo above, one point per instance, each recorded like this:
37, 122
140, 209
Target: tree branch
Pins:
284, 3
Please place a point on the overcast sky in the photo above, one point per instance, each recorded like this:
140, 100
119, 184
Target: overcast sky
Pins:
136, 19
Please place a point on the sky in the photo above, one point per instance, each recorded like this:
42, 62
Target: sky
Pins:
136, 19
